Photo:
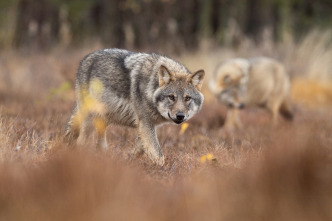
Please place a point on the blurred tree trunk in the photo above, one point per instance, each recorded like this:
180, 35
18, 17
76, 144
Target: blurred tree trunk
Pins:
259, 16
284, 24
169, 24
37, 24
188, 20
205, 26
231, 21
113, 23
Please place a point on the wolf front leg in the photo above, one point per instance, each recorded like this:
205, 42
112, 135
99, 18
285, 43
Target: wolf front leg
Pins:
138, 150
148, 137
233, 119
232, 122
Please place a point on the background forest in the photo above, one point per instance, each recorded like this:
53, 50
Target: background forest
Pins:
168, 24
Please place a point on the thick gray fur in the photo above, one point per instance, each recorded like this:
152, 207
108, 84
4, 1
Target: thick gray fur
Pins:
137, 91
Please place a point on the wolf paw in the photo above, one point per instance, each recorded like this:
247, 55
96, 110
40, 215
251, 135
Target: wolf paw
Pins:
227, 132
136, 153
160, 161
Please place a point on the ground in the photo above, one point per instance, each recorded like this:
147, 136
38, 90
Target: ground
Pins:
261, 172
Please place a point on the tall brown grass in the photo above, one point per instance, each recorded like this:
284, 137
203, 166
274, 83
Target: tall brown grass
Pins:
283, 179
259, 173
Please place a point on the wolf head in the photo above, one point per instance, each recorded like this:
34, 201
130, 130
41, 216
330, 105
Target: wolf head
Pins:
230, 82
179, 96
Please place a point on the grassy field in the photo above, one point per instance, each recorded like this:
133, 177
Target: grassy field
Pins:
258, 173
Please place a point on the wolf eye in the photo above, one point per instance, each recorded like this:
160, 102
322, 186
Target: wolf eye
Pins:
187, 98
171, 97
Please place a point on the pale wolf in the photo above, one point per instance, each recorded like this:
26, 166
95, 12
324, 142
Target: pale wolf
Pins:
133, 89
247, 82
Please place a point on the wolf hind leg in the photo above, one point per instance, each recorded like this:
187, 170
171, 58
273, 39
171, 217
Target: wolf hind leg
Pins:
85, 130
285, 110
100, 126
138, 149
273, 106
72, 130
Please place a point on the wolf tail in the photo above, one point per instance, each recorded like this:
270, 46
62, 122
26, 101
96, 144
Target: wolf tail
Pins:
286, 110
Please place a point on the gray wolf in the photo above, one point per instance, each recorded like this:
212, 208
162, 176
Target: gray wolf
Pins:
262, 81
138, 90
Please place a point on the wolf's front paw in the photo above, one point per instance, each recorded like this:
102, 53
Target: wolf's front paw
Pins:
136, 153
160, 161
227, 132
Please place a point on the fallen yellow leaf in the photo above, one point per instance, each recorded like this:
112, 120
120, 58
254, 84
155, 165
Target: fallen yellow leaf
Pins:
184, 127
207, 157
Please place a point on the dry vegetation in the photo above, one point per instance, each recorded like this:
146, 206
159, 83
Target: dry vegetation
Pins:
260, 173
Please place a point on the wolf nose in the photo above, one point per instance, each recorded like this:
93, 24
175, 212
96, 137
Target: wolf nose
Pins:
180, 116
241, 106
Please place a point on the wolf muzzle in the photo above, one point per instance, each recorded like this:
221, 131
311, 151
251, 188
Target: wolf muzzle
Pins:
239, 106
179, 117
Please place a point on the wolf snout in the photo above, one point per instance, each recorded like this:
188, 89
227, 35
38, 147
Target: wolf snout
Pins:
180, 116
242, 106
238, 106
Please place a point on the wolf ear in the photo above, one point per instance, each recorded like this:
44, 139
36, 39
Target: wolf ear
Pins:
165, 76
197, 79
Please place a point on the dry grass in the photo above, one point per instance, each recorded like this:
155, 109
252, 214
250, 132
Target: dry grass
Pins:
312, 93
259, 173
